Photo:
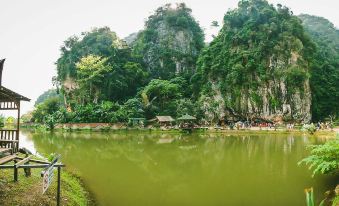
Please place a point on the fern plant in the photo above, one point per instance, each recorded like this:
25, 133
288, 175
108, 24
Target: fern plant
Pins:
324, 159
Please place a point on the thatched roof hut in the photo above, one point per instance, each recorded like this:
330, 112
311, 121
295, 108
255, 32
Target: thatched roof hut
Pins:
164, 119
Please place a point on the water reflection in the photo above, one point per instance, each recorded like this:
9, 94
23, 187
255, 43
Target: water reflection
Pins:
129, 168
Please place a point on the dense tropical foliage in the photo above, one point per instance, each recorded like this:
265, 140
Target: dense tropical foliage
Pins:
325, 68
258, 64
96, 67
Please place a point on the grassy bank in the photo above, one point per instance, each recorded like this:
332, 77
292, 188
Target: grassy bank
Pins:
28, 190
336, 199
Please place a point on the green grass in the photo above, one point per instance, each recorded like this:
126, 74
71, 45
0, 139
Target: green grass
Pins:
336, 201
28, 190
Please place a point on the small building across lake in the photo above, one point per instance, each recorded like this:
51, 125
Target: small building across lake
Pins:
186, 117
186, 121
164, 120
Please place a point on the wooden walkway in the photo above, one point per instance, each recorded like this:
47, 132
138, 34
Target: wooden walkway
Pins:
6, 159
4, 150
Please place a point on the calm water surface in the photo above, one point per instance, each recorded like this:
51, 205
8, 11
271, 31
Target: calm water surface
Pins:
130, 168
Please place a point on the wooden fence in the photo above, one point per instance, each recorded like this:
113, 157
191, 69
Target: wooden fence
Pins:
9, 139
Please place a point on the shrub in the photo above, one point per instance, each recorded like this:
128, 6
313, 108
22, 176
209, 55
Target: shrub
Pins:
310, 128
324, 159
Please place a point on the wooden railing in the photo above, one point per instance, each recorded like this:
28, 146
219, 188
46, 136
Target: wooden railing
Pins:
9, 139
8, 105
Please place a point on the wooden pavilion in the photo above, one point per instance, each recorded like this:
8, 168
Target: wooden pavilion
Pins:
164, 120
9, 144
9, 100
186, 121
186, 117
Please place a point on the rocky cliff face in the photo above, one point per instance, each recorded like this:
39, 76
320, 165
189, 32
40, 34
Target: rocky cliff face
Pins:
177, 45
170, 43
257, 67
270, 100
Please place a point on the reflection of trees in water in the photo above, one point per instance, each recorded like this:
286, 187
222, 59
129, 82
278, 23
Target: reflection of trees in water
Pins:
107, 145
179, 162
203, 152
272, 154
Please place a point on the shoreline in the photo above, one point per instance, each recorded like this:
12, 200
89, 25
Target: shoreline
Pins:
326, 133
28, 190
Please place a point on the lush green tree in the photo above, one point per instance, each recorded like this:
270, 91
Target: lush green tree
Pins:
184, 106
324, 159
163, 96
91, 72
134, 108
324, 70
94, 113
48, 107
50, 121
117, 74
101, 42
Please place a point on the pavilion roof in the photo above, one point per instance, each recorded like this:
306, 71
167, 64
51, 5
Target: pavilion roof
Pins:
164, 118
9, 95
187, 117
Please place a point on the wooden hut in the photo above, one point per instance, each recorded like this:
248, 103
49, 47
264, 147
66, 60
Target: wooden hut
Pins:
9, 100
164, 120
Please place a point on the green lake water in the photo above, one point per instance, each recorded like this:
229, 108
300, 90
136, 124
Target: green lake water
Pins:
131, 168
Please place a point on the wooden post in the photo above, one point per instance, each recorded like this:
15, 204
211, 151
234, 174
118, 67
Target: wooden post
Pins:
26, 162
59, 187
18, 127
15, 172
27, 170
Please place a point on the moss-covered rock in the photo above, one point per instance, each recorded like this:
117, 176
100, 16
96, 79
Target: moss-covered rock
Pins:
170, 42
258, 65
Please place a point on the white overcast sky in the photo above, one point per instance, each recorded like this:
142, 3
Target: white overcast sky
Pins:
31, 32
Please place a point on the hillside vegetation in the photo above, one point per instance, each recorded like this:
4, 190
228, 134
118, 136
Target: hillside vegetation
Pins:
264, 64
325, 68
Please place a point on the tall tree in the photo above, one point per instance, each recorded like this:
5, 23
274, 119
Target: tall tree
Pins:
91, 71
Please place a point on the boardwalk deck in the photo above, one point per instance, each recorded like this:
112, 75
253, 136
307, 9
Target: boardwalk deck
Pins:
6, 159
4, 150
